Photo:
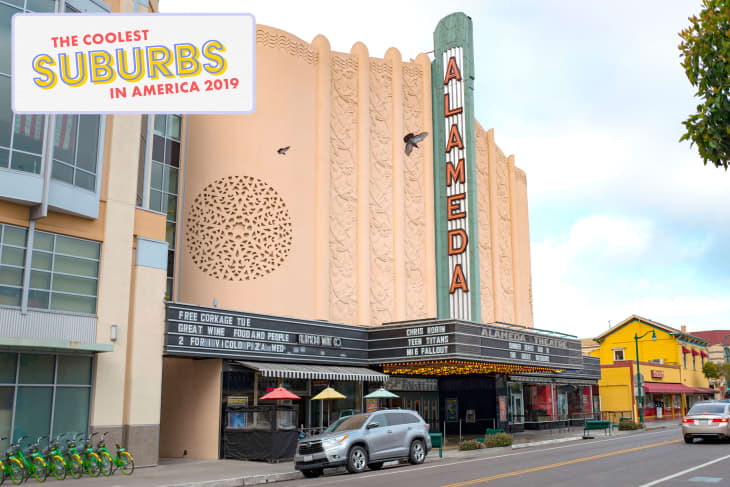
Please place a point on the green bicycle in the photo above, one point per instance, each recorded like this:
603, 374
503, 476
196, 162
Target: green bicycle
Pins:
107, 463
72, 459
12, 467
123, 459
54, 459
36, 466
89, 459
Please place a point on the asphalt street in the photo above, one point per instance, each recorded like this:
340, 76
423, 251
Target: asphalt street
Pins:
643, 460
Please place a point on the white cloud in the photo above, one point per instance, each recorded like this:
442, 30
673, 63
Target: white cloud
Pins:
580, 280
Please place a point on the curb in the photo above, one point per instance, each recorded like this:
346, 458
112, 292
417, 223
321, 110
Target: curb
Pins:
545, 442
270, 478
243, 481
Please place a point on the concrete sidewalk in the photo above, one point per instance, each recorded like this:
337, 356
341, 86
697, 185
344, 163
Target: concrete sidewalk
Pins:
234, 473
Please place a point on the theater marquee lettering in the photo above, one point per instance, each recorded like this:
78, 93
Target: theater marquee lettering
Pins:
427, 340
200, 331
457, 220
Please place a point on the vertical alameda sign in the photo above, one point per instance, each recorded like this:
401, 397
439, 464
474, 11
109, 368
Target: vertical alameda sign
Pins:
457, 264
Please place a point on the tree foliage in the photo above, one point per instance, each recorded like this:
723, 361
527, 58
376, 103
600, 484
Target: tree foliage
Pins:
711, 370
705, 53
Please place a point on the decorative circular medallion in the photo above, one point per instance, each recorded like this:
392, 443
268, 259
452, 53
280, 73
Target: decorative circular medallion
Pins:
238, 229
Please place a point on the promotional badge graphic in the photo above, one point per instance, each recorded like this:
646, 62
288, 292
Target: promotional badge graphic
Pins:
165, 63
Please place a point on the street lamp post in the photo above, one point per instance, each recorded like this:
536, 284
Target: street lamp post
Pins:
727, 363
638, 370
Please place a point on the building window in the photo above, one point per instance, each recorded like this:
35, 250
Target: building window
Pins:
64, 273
618, 355
43, 394
694, 362
685, 360
160, 166
76, 137
76, 149
21, 136
12, 262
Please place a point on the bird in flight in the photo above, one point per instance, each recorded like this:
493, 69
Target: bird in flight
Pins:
283, 150
411, 141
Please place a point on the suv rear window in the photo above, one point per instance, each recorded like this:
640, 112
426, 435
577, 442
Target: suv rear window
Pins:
707, 409
402, 418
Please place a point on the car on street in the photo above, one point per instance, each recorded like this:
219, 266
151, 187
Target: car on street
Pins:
365, 440
707, 419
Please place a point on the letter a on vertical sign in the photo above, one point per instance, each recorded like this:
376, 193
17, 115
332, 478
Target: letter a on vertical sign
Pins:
457, 257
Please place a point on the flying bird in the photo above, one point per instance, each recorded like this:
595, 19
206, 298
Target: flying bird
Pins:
411, 141
283, 150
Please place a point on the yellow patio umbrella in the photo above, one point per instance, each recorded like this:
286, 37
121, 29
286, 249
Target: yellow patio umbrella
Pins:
326, 395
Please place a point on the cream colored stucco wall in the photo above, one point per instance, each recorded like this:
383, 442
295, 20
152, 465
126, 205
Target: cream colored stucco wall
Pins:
115, 278
361, 211
504, 237
144, 347
191, 401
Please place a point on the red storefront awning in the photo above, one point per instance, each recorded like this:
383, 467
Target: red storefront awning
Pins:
704, 354
662, 388
685, 350
704, 390
695, 352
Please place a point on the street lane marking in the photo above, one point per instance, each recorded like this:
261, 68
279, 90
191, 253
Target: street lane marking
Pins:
679, 474
560, 464
420, 468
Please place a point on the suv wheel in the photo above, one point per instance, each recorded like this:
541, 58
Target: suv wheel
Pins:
357, 459
311, 473
417, 453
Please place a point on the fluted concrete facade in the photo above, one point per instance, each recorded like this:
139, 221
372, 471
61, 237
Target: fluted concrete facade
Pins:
360, 248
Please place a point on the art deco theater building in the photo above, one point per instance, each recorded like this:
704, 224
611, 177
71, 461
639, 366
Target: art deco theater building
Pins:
156, 270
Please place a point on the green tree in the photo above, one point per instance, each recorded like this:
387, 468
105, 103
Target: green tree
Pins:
705, 53
711, 370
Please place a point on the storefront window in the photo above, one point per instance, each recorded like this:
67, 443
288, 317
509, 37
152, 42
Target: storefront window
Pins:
6, 414
72, 409
48, 385
33, 412
36, 369
538, 402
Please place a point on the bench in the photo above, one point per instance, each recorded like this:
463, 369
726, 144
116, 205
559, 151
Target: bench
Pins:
437, 441
490, 431
597, 425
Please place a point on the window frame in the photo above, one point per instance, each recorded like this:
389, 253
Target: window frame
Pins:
74, 167
54, 385
621, 351
28, 268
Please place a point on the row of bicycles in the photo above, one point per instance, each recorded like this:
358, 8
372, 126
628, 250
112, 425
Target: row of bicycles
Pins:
76, 457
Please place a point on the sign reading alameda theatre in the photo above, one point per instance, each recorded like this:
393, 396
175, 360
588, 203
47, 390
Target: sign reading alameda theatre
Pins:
457, 262
447, 339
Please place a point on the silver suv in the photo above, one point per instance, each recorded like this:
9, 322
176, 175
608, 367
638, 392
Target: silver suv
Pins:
365, 440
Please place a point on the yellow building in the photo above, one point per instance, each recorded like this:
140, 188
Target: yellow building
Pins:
670, 368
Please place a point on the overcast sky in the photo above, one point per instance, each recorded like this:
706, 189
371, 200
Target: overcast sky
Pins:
589, 96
